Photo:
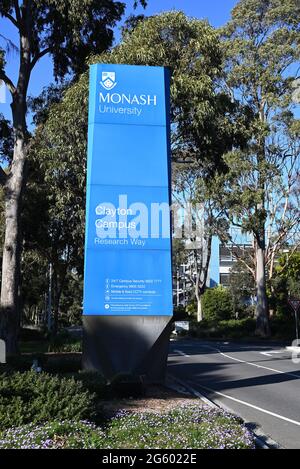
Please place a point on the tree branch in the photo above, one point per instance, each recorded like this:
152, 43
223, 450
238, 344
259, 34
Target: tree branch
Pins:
3, 177
38, 57
17, 10
12, 20
8, 82
240, 259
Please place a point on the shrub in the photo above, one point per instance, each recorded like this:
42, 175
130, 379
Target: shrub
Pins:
62, 363
283, 327
24, 362
50, 363
64, 342
38, 397
231, 329
192, 309
180, 313
237, 329
93, 382
217, 304
31, 334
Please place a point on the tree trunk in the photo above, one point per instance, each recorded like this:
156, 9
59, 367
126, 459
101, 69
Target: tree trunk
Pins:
199, 309
201, 279
12, 251
198, 294
58, 285
15, 183
9, 319
261, 313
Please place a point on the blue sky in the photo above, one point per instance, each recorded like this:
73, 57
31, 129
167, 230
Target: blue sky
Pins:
216, 11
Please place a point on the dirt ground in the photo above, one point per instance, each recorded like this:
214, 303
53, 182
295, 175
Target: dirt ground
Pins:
156, 399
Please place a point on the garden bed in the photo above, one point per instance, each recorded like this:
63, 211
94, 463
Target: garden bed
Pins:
161, 419
186, 426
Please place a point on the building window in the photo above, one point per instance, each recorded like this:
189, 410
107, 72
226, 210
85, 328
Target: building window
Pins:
225, 280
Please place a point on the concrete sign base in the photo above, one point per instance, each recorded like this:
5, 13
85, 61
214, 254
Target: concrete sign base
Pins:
135, 345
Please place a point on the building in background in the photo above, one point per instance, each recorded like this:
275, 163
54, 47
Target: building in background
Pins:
223, 259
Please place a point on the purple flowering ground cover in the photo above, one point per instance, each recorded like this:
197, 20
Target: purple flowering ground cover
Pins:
185, 427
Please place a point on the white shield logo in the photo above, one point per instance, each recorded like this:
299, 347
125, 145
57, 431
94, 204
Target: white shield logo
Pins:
108, 80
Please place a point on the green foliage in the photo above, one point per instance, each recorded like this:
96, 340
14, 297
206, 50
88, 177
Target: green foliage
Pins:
261, 45
285, 284
242, 288
180, 313
70, 309
53, 220
38, 397
283, 326
179, 254
202, 111
29, 334
263, 41
6, 140
52, 363
191, 309
288, 271
70, 31
41, 105
64, 342
217, 304
231, 329
186, 427
236, 329
66, 434
93, 382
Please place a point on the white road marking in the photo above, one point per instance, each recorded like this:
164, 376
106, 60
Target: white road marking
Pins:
252, 364
181, 353
260, 409
239, 401
269, 354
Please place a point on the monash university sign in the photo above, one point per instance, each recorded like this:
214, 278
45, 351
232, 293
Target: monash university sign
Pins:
128, 281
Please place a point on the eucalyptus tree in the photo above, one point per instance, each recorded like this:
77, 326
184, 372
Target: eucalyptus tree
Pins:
205, 121
262, 43
198, 198
69, 31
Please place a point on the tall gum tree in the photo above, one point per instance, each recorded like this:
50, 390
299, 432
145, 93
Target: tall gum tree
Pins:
204, 218
262, 43
69, 31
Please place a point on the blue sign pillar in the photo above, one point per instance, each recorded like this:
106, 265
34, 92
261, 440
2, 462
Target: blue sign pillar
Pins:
128, 280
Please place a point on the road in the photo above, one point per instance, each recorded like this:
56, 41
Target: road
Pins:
258, 382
